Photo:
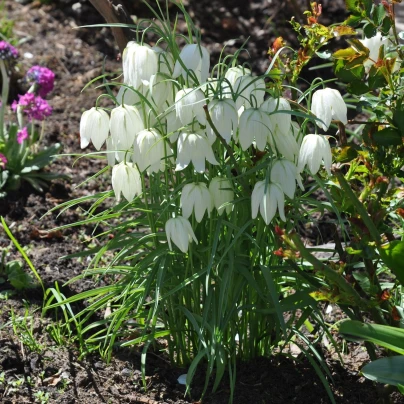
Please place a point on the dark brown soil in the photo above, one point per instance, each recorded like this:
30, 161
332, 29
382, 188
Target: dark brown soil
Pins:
50, 34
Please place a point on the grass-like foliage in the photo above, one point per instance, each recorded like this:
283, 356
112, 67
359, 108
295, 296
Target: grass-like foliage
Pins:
215, 170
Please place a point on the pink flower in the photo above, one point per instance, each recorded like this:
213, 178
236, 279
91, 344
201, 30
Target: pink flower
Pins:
22, 135
3, 161
34, 107
7, 51
44, 77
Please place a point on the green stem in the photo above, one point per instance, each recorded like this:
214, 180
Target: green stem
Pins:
329, 273
4, 96
358, 206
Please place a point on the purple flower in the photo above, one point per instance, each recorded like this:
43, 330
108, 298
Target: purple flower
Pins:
44, 77
3, 161
22, 135
35, 107
7, 51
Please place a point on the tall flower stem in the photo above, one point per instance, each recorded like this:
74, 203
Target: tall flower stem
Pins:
4, 96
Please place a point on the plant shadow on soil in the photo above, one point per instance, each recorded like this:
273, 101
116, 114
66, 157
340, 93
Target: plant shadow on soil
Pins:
77, 56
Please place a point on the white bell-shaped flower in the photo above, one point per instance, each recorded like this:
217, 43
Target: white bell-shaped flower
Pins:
222, 194
126, 180
140, 62
374, 44
193, 57
280, 120
125, 123
284, 173
94, 126
284, 143
225, 118
250, 91
254, 125
189, 105
195, 197
313, 151
231, 76
179, 231
328, 104
150, 151
161, 90
233, 73
195, 147
267, 198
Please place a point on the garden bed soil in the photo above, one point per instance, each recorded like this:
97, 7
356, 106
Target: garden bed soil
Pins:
31, 370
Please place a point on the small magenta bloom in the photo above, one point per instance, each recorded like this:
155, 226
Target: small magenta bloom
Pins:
35, 107
44, 77
3, 161
7, 51
22, 135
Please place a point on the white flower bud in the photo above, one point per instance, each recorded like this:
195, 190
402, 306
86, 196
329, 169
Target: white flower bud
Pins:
150, 149
189, 104
313, 151
196, 58
196, 198
125, 123
126, 180
328, 104
194, 147
267, 198
225, 118
179, 231
254, 125
94, 126
222, 194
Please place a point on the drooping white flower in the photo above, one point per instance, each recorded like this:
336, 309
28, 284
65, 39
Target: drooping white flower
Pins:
267, 198
328, 104
189, 105
374, 44
222, 193
161, 89
94, 126
225, 118
193, 57
179, 231
231, 76
313, 151
125, 123
140, 62
128, 96
149, 151
250, 91
126, 180
280, 120
284, 143
284, 173
195, 197
254, 125
233, 73
195, 147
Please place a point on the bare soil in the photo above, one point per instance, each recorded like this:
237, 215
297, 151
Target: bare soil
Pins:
49, 34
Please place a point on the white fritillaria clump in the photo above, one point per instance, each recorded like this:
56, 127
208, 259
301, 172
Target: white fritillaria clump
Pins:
184, 129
